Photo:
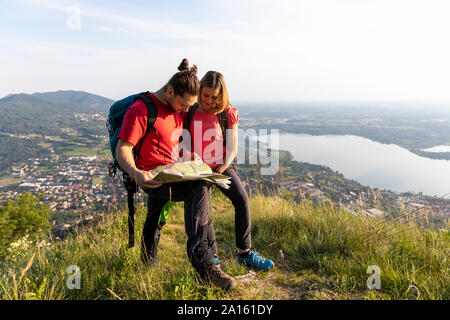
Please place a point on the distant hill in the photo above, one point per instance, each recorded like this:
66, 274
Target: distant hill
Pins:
46, 113
22, 98
77, 97
96, 102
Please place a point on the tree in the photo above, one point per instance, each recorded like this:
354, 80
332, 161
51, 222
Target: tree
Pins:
21, 217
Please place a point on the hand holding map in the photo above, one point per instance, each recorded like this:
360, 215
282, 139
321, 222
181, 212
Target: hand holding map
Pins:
188, 171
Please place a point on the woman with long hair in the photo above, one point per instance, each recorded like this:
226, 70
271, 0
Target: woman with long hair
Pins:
211, 122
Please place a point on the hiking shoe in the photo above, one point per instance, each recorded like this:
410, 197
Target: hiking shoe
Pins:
254, 260
211, 273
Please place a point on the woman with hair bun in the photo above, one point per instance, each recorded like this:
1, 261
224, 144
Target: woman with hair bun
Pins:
208, 121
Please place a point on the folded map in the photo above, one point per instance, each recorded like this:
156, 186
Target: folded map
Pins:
188, 171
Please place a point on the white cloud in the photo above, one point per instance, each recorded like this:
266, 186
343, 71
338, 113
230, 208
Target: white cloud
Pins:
157, 26
267, 50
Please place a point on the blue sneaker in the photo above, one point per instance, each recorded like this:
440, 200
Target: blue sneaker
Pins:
254, 260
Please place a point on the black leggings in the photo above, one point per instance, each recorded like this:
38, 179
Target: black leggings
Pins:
242, 224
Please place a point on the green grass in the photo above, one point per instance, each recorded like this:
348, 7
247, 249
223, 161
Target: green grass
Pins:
326, 255
9, 179
80, 151
101, 153
98, 180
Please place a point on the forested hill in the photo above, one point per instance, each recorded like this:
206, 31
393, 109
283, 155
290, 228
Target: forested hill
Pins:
33, 125
96, 102
46, 113
81, 98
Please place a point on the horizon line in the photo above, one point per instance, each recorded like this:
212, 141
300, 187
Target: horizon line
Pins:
247, 101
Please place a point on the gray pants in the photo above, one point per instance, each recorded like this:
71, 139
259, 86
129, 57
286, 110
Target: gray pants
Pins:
196, 197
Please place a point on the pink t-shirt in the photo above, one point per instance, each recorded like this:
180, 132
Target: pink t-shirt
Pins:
209, 144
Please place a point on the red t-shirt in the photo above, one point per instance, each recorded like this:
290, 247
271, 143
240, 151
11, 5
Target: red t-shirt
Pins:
167, 121
209, 145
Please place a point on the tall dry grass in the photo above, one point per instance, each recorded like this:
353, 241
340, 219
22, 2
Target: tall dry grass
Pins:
326, 253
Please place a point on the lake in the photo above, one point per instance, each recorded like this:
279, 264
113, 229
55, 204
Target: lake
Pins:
371, 163
438, 149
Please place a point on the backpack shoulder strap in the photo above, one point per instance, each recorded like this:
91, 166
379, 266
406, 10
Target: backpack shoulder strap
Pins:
223, 120
152, 114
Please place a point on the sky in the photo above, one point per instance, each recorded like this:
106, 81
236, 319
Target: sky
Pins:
271, 51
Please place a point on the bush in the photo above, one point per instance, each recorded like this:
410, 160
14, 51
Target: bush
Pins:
23, 218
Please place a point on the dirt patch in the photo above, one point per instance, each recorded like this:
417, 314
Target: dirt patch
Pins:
9, 180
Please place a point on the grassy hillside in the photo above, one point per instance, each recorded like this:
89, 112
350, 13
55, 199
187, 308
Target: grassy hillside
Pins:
326, 253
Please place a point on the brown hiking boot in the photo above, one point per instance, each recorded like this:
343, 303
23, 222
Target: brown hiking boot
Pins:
211, 273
